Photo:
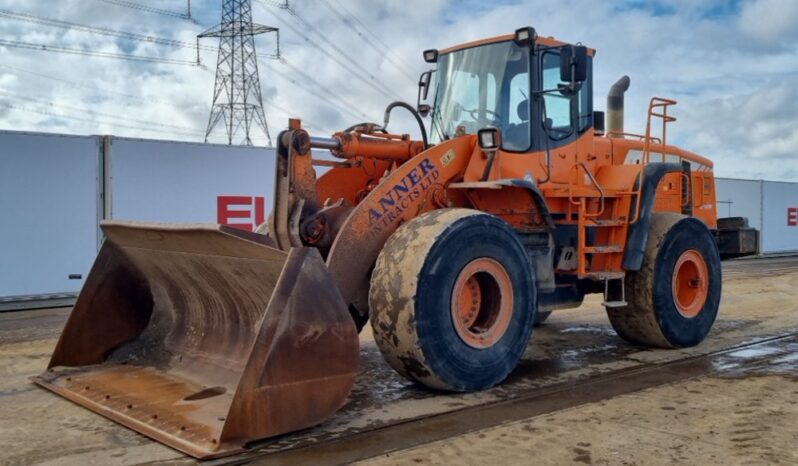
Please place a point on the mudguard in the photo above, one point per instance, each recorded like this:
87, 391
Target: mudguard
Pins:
415, 187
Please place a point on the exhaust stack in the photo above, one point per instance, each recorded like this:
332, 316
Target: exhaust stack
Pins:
615, 106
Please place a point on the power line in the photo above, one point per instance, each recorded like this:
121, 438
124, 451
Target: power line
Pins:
92, 29
282, 5
341, 52
95, 53
381, 51
348, 67
322, 92
363, 26
149, 9
74, 83
337, 60
94, 121
155, 40
81, 110
310, 90
113, 32
289, 113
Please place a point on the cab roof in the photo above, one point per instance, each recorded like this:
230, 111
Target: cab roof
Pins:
547, 41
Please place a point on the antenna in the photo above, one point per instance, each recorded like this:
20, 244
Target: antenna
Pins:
237, 99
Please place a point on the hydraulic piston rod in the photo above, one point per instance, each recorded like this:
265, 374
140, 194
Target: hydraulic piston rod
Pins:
325, 143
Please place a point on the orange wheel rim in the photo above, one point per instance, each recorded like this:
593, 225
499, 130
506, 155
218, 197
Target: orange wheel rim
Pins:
482, 303
690, 283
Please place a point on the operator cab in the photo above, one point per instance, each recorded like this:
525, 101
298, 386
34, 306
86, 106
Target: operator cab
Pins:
521, 86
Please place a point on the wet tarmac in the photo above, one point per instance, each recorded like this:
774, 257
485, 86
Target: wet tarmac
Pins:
575, 358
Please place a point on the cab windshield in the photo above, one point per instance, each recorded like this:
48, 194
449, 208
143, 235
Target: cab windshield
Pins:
487, 85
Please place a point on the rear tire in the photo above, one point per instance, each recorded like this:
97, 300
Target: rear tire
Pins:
673, 299
453, 300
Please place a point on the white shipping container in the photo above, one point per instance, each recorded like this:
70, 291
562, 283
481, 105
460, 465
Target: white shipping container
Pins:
162, 181
49, 205
740, 198
780, 217
51, 199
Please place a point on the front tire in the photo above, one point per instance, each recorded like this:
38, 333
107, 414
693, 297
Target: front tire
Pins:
453, 300
673, 299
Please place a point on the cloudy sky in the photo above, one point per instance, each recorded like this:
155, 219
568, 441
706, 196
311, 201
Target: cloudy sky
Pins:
732, 65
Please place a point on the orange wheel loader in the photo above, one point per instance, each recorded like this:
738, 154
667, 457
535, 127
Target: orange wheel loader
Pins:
517, 203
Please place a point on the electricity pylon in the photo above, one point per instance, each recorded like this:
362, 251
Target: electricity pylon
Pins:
237, 99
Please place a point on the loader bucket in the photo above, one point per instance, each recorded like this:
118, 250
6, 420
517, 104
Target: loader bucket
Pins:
204, 338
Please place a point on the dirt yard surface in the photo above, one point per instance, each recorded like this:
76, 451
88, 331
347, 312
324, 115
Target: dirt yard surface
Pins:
580, 395
733, 417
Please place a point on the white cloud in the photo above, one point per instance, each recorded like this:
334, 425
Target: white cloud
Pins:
770, 22
734, 71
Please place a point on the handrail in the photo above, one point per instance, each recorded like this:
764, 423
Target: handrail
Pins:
639, 182
641, 137
598, 186
595, 183
655, 103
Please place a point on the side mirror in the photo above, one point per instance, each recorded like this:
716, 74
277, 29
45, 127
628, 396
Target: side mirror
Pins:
573, 64
424, 84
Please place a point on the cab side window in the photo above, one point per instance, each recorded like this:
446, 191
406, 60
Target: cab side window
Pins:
519, 90
517, 132
558, 106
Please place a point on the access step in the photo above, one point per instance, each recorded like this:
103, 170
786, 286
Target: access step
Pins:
614, 293
604, 275
614, 304
610, 249
605, 223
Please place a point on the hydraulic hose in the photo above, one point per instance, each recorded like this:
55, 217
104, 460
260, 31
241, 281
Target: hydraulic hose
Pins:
415, 113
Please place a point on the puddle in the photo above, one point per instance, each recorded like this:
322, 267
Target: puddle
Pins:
592, 329
758, 352
768, 358
787, 358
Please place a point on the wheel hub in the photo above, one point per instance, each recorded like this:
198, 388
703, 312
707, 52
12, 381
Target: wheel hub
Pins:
690, 283
482, 303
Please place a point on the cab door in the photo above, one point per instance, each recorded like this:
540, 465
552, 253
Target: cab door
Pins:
566, 123
558, 124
